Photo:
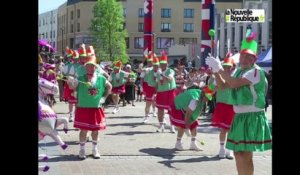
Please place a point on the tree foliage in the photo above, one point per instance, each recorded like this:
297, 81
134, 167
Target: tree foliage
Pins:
107, 29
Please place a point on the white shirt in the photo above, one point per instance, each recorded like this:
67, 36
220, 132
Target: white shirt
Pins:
126, 74
193, 104
145, 71
171, 75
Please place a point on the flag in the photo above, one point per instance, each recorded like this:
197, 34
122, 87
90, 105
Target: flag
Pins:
208, 15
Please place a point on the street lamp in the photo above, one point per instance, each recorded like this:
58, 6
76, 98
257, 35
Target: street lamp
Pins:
62, 41
153, 42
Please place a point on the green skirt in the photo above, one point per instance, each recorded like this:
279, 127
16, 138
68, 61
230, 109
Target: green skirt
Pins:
249, 132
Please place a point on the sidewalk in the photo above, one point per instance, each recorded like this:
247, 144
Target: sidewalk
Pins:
129, 147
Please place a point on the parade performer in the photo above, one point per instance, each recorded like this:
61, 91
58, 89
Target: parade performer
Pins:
151, 81
50, 75
223, 113
59, 72
69, 94
165, 91
117, 79
89, 56
184, 112
144, 83
76, 61
92, 91
250, 130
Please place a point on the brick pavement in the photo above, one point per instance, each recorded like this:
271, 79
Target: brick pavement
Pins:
129, 147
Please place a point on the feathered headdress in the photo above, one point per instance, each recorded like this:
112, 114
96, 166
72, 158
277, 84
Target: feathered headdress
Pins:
249, 45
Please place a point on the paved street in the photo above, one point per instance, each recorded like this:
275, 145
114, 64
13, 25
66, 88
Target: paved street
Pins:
129, 147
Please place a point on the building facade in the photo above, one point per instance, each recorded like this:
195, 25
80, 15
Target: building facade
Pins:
74, 18
48, 27
175, 22
236, 32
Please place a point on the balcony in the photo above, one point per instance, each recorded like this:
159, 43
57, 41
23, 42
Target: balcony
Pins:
165, 30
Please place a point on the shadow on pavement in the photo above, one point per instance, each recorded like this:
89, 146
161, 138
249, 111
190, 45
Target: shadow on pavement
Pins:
159, 152
55, 144
169, 163
63, 158
70, 129
132, 125
124, 117
131, 133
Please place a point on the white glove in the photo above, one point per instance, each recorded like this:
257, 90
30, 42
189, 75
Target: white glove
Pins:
70, 78
102, 100
159, 72
141, 88
72, 81
214, 63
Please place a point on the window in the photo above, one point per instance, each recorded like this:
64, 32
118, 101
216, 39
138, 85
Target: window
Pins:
78, 27
53, 34
72, 15
188, 27
54, 44
78, 13
241, 34
127, 42
124, 12
53, 20
165, 13
124, 26
72, 28
163, 43
141, 27
46, 34
139, 43
189, 13
259, 32
187, 40
72, 42
43, 21
232, 36
141, 12
165, 27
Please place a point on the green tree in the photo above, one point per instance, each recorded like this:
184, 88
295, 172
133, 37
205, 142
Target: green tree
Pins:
107, 29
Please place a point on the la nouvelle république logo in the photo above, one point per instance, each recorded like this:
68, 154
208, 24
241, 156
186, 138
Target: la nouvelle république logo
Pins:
245, 15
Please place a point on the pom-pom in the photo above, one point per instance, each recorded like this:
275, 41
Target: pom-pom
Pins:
211, 32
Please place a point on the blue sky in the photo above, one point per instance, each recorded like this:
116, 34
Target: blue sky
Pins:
47, 5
